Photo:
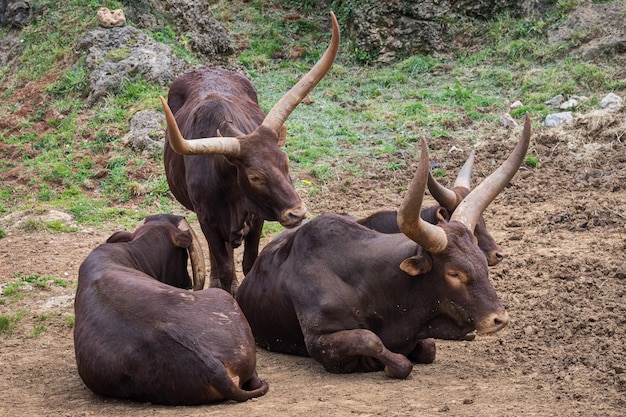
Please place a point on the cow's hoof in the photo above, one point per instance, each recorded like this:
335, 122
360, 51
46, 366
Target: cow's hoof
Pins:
401, 367
424, 352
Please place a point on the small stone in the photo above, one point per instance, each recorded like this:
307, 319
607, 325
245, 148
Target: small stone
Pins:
556, 119
556, 100
508, 121
515, 105
612, 102
110, 18
569, 104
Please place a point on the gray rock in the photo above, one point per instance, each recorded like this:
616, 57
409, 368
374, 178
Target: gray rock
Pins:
146, 132
387, 29
195, 20
122, 54
612, 102
508, 121
556, 100
597, 29
557, 119
17, 13
569, 104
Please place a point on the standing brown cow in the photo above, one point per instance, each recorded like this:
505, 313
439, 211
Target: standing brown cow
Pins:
236, 181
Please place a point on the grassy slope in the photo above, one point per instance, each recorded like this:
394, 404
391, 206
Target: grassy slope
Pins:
55, 148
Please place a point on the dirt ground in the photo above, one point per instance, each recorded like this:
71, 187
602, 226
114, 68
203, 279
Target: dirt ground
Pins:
562, 224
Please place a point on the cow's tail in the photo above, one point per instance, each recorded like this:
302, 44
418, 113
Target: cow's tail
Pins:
253, 388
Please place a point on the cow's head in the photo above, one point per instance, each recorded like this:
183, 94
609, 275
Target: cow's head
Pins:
176, 230
466, 300
263, 169
451, 198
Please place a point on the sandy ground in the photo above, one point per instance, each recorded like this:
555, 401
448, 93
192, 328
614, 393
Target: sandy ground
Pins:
563, 282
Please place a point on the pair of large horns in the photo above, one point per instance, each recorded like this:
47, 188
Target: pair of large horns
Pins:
273, 120
433, 238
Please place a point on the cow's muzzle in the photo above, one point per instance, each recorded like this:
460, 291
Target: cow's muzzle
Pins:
293, 217
493, 323
494, 257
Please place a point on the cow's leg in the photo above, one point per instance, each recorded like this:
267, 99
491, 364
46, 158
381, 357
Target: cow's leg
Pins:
424, 351
223, 274
251, 248
214, 282
358, 350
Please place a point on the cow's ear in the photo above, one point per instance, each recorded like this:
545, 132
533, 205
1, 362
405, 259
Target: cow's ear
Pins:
181, 238
229, 129
120, 237
282, 135
417, 265
442, 215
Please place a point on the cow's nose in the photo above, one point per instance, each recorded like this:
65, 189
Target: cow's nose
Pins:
493, 323
500, 321
495, 257
293, 217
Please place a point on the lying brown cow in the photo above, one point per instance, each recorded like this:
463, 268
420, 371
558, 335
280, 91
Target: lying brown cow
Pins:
358, 300
136, 336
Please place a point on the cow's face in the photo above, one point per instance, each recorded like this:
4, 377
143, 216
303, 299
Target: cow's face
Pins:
464, 297
486, 242
263, 174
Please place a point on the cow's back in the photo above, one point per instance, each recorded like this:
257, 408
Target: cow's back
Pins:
195, 85
166, 345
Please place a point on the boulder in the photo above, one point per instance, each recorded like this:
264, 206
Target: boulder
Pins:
121, 54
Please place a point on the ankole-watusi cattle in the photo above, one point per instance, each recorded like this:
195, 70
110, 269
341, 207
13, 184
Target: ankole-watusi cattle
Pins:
138, 337
236, 181
355, 299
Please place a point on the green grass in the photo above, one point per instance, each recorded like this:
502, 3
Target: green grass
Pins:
361, 116
14, 288
9, 322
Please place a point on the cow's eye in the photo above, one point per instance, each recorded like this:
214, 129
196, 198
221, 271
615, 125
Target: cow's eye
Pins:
457, 278
256, 178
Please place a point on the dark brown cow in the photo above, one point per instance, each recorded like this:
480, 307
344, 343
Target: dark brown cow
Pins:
359, 300
236, 181
386, 221
138, 337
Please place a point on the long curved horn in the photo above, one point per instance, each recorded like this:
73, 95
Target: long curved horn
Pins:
446, 197
472, 206
429, 236
204, 146
283, 108
196, 256
463, 179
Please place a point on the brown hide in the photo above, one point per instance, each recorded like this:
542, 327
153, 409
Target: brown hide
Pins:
223, 159
137, 337
359, 300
